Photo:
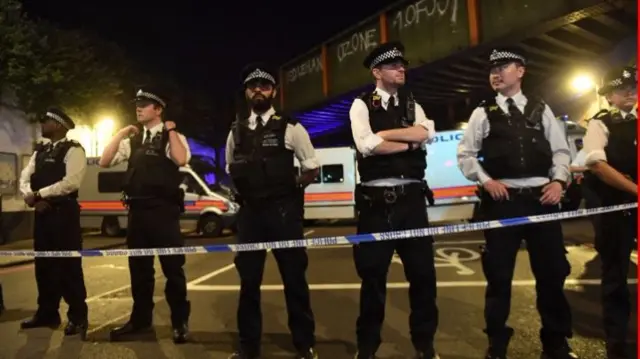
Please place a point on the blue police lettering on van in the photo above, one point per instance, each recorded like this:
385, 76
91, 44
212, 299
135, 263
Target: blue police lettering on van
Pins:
455, 136
442, 164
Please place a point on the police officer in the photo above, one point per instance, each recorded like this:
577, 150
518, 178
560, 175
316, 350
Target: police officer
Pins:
611, 156
524, 171
155, 201
49, 183
390, 131
259, 153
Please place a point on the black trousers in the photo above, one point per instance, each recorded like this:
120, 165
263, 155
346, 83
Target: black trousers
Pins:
58, 229
270, 222
614, 242
372, 262
549, 264
156, 227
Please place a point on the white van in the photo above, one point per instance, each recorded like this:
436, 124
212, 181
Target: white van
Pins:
331, 195
100, 196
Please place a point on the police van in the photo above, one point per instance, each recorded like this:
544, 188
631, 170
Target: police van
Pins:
207, 212
331, 195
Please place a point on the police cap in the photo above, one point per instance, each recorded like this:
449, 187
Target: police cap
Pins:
505, 55
618, 77
257, 72
58, 116
385, 53
147, 95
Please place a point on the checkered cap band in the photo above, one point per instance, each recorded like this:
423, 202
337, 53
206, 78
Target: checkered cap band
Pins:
259, 74
58, 119
505, 55
626, 76
388, 55
151, 96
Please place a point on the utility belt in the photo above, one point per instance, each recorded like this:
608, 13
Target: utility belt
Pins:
147, 202
388, 196
525, 193
60, 200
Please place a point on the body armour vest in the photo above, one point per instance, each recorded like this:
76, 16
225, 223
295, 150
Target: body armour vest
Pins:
516, 146
621, 153
50, 166
406, 165
150, 173
262, 167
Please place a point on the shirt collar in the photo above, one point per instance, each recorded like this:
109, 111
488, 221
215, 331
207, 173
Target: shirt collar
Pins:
385, 96
519, 99
153, 130
265, 116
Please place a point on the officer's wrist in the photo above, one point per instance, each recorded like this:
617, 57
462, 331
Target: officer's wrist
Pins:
563, 184
37, 196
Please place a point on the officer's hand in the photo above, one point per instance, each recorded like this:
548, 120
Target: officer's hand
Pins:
130, 130
169, 125
496, 189
42, 206
551, 193
30, 199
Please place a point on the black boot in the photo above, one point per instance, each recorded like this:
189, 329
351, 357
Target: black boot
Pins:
498, 344
555, 346
131, 328
180, 323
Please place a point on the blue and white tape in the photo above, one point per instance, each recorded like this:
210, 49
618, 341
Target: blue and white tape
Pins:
325, 241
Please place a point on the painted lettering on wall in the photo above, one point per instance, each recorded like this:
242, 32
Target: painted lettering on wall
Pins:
305, 68
423, 10
361, 41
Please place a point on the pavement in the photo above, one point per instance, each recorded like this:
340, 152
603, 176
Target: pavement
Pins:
213, 290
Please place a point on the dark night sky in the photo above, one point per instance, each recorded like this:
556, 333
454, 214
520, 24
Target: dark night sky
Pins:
206, 45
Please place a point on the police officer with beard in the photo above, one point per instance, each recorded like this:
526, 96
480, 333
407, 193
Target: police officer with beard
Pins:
390, 131
259, 153
49, 183
155, 200
610, 145
524, 171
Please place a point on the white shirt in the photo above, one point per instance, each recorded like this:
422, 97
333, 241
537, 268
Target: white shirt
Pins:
365, 140
296, 139
596, 140
478, 129
76, 165
579, 160
124, 148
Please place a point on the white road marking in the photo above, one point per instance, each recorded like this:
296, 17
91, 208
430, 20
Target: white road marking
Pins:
196, 282
398, 285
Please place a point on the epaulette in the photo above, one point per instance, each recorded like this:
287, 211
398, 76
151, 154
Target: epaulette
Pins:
363, 96
282, 116
39, 146
601, 115
74, 143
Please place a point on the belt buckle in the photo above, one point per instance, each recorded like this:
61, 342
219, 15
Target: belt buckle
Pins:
390, 196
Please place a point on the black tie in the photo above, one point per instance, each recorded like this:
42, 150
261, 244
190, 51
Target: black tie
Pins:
514, 111
391, 107
259, 124
147, 138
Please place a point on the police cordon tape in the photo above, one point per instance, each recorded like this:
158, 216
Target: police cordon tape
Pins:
325, 241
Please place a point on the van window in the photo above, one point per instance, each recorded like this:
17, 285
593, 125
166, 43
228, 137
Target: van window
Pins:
110, 182
192, 185
332, 174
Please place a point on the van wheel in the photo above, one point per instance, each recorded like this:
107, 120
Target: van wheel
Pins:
110, 227
210, 226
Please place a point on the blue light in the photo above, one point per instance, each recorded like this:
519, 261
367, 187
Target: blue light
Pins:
330, 118
199, 149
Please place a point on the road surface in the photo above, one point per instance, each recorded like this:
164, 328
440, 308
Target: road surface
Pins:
213, 290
